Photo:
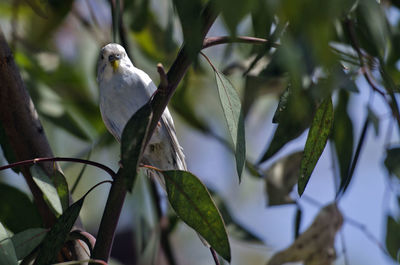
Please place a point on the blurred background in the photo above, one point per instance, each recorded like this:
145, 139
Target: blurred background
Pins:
56, 44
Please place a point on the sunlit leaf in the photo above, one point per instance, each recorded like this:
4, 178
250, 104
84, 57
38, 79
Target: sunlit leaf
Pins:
62, 188
132, 143
231, 106
56, 237
281, 177
392, 161
26, 241
342, 136
15, 207
393, 237
193, 204
48, 188
317, 137
7, 251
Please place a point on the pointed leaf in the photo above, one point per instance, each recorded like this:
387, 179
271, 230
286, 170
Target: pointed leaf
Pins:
132, 143
48, 188
26, 241
62, 188
12, 201
193, 204
58, 234
231, 106
342, 136
317, 137
393, 237
7, 251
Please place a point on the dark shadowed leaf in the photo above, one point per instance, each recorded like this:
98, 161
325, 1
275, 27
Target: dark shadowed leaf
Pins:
26, 241
297, 222
296, 115
193, 204
189, 15
281, 177
316, 140
48, 188
392, 161
132, 143
393, 237
7, 251
233, 11
56, 237
231, 106
15, 206
342, 136
140, 12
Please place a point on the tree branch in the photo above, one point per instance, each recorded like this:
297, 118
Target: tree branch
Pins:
212, 41
21, 124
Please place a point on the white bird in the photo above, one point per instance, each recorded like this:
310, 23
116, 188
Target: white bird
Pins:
123, 90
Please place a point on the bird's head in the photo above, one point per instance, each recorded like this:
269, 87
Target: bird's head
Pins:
112, 57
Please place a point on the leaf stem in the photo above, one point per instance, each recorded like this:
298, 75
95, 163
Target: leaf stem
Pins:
213, 41
60, 159
214, 255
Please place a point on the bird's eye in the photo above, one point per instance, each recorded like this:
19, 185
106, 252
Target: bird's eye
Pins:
102, 56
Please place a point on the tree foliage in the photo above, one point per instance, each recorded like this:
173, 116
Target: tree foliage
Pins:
312, 58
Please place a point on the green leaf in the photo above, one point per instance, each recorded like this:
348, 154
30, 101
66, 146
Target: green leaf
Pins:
393, 237
67, 121
317, 137
26, 241
189, 15
7, 251
342, 136
12, 201
392, 161
296, 115
231, 106
233, 11
48, 188
193, 204
58, 234
132, 143
281, 177
62, 188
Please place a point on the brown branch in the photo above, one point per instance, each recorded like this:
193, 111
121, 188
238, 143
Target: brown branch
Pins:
22, 127
212, 41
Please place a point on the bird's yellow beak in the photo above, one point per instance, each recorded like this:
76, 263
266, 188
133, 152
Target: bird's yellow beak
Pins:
115, 65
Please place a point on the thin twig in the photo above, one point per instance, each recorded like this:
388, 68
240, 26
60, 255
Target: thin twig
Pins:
354, 162
60, 159
213, 41
215, 257
367, 233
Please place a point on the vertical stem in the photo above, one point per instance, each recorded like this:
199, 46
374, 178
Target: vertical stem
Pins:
109, 222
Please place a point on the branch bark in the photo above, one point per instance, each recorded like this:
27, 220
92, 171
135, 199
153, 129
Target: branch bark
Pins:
21, 124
